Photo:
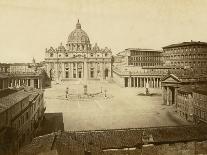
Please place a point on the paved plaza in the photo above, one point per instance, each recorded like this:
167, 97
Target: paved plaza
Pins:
122, 108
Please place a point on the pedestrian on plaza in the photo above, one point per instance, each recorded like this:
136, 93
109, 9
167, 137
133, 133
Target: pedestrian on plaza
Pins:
66, 92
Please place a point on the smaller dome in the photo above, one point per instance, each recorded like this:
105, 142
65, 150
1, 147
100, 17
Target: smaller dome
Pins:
61, 47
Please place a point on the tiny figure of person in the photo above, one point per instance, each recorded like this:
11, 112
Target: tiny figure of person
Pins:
147, 88
66, 92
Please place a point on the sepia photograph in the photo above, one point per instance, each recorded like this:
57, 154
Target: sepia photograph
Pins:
103, 77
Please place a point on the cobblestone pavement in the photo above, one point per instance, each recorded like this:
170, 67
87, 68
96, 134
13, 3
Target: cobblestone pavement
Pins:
124, 108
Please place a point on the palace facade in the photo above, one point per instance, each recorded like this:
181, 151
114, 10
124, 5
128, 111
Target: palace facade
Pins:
141, 57
78, 59
189, 54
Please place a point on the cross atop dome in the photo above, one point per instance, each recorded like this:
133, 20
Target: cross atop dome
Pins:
78, 25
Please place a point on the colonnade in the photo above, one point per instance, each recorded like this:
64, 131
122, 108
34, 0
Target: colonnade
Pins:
153, 82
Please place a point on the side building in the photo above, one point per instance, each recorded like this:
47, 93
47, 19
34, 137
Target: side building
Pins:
141, 57
21, 111
24, 74
188, 54
200, 105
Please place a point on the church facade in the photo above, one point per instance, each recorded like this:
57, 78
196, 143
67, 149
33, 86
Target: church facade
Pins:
78, 59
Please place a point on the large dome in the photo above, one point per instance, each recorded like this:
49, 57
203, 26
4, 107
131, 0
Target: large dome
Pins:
78, 35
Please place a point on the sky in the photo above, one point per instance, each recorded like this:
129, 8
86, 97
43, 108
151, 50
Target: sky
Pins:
28, 27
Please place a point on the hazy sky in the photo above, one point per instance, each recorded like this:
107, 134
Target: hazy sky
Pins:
27, 27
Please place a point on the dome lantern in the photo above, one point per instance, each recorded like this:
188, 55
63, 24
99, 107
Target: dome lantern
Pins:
78, 25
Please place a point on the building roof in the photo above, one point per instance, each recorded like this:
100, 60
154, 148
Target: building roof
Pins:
143, 50
200, 90
8, 101
163, 67
23, 74
118, 138
3, 76
186, 89
6, 92
187, 75
183, 44
39, 144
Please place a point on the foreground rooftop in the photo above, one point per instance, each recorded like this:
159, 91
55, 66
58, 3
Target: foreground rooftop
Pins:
102, 140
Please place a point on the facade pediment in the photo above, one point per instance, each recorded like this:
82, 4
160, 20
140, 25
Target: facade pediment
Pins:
51, 49
171, 79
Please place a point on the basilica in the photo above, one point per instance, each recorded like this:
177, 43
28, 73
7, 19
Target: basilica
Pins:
78, 59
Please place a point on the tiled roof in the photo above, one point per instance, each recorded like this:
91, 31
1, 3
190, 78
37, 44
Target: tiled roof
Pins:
3, 76
12, 99
133, 137
65, 142
6, 92
186, 89
39, 145
188, 75
200, 90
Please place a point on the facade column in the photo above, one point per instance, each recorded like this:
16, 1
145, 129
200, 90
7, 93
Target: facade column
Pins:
136, 81
82, 70
144, 82
56, 72
153, 82
158, 83
167, 96
101, 70
140, 82
147, 81
164, 95
63, 70
85, 74
129, 82
72, 69
77, 70
38, 83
